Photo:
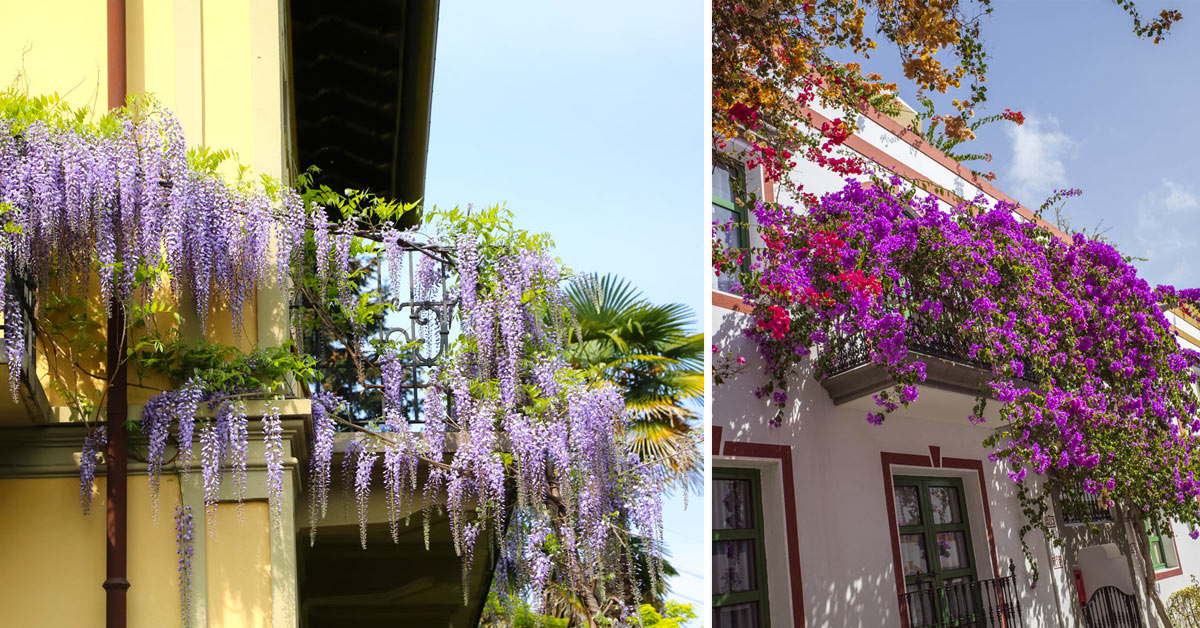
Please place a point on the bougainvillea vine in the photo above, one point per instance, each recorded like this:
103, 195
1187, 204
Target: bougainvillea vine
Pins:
1095, 392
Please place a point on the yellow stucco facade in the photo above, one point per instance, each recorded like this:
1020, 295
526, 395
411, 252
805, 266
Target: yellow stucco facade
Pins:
218, 65
222, 67
52, 556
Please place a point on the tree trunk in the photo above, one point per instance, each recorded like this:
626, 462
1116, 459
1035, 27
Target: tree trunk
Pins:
583, 588
1142, 544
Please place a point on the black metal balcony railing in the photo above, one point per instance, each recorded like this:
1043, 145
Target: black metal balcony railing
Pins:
1085, 508
421, 318
854, 350
951, 368
990, 603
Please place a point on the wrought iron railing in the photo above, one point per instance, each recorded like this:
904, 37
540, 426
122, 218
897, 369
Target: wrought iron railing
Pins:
424, 320
1085, 508
1110, 607
421, 319
854, 350
993, 603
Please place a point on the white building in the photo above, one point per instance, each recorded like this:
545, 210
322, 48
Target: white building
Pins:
807, 531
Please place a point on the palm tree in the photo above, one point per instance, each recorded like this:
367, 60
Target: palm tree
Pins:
649, 351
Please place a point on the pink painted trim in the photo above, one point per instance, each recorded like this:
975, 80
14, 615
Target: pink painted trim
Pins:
730, 302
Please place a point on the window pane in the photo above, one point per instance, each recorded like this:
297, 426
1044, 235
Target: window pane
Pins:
722, 184
952, 550
944, 502
736, 616
908, 506
731, 235
912, 554
731, 505
734, 568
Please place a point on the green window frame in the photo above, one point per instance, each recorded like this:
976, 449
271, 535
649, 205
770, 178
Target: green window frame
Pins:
928, 530
750, 536
740, 214
1162, 556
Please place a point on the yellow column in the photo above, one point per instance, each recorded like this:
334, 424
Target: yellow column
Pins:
238, 566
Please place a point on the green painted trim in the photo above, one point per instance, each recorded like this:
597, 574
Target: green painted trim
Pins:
1159, 540
756, 533
737, 184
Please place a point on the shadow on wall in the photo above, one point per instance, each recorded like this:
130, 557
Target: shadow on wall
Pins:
740, 412
840, 590
1039, 605
859, 592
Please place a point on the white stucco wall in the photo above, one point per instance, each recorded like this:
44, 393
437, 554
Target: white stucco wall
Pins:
845, 538
844, 535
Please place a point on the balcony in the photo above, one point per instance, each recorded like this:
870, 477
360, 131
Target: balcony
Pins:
1086, 508
990, 603
31, 405
851, 375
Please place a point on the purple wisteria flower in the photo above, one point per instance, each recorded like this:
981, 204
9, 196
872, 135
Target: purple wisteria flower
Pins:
184, 547
93, 446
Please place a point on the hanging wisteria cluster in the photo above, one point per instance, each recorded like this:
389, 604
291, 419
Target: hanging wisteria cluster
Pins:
509, 427
505, 409
520, 451
120, 196
185, 530
1094, 389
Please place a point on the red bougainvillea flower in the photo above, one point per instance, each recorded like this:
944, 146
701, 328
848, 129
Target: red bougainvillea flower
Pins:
1014, 116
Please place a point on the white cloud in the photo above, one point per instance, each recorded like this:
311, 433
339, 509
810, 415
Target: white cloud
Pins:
1163, 216
1177, 198
1038, 150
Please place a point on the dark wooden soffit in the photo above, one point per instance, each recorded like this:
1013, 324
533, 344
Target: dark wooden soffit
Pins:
362, 75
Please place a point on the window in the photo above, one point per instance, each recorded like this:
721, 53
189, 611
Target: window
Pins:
935, 536
935, 550
1162, 548
739, 572
727, 180
1081, 507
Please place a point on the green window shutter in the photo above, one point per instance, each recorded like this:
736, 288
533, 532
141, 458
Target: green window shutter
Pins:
935, 531
1161, 556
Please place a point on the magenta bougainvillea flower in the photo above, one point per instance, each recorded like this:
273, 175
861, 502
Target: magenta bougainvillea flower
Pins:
1095, 392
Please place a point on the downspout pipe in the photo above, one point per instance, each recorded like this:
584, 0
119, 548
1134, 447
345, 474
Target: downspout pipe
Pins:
116, 582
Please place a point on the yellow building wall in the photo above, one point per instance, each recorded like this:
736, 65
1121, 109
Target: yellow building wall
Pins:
52, 556
239, 567
216, 63
57, 46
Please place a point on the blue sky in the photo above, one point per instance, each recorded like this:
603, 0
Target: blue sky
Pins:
588, 122
1108, 113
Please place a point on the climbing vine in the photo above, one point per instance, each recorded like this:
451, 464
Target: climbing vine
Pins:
775, 64
527, 456
1095, 393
